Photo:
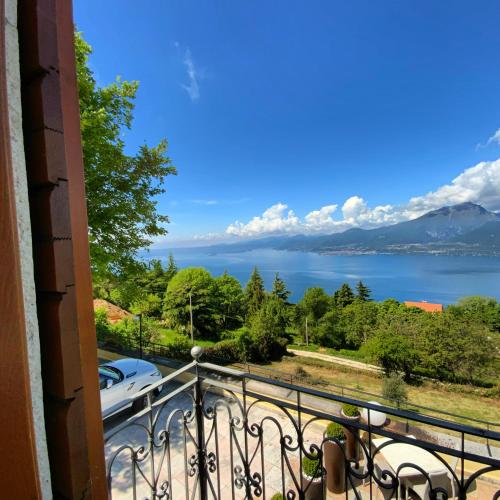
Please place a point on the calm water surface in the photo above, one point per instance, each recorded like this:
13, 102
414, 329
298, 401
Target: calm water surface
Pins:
435, 278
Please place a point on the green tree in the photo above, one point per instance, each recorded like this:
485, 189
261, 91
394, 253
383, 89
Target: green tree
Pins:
359, 321
393, 349
121, 189
328, 332
314, 303
231, 302
280, 290
363, 293
254, 293
172, 268
268, 330
485, 310
394, 388
199, 284
343, 296
456, 348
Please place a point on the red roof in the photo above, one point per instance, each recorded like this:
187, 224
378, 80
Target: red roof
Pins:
425, 306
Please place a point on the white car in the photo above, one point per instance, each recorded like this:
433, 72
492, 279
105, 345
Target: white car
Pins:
120, 380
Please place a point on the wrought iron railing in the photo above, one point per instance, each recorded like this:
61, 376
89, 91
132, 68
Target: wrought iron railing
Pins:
216, 432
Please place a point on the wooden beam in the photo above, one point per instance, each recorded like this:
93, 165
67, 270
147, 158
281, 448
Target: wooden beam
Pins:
79, 224
60, 247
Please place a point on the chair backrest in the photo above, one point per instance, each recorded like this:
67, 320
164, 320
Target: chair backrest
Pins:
437, 480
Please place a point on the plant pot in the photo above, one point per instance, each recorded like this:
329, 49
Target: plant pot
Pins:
334, 463
314, 488
352, 438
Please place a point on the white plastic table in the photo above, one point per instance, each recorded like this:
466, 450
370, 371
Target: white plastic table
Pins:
396, 454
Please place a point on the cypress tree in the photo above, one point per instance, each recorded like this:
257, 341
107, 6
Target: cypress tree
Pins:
254, 292
343, 296
279, 289
362, 292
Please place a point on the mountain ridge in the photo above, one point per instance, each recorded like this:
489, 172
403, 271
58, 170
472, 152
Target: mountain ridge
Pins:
465, 228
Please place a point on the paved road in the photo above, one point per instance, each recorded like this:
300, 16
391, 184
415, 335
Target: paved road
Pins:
358, 365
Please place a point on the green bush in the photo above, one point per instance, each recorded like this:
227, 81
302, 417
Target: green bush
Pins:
335, 431
225, 350
102, 325
394, 388
350, 410
311, 467
277, 496
177, 347
127, 327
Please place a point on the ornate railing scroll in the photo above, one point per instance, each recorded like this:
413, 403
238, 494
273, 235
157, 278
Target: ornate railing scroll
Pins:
216, 433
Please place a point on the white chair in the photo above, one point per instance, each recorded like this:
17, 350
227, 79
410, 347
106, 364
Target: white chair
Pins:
388, 492
437, 479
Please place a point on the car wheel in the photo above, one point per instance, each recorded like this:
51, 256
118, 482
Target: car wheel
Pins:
157, 391
140, 404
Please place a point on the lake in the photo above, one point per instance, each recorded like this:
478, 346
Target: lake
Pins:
435, 278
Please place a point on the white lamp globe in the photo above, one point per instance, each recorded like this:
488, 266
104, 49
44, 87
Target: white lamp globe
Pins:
377, 418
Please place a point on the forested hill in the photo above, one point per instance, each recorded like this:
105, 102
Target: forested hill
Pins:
464, 229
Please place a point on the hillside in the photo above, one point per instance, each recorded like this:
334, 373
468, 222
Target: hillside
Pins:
464, 229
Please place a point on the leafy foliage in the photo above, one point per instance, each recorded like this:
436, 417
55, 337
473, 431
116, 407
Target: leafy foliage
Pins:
350, 410
225, 351
121, 188
335, 431
358, 323
314, 303
231, 302
279, 289
178, 347
329, 332
343, 296
362, 292
311, 467
392, 348
254, 293
268, 330
394, 388
198, 284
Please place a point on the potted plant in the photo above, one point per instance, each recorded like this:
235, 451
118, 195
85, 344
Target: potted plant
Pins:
351, 412
334, 457
312, 478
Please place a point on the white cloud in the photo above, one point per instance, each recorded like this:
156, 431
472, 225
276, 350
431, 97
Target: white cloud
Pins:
205, 202
192, 87
275, 220
321, 219
479, 184
494, 139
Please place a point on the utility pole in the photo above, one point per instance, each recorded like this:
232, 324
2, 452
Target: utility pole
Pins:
138, 317
140, 333
307, 335
191, 316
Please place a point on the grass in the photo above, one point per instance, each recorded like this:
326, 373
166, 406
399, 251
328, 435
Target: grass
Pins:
167, 335
452, 398
429, 394
356, 355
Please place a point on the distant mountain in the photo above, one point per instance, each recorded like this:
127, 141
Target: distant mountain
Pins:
466, 228
486, 235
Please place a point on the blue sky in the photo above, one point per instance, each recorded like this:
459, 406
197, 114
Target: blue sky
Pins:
308, 116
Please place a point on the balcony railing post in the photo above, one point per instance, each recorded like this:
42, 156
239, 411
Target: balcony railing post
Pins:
196, 352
